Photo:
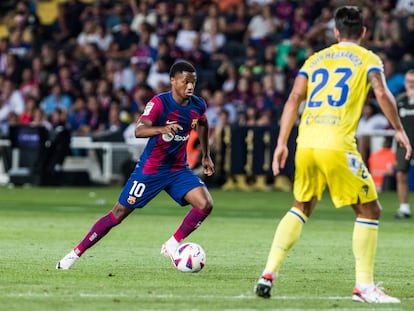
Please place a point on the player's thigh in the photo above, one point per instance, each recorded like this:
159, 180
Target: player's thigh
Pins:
309, 181
182, 183
140, 189
348, 179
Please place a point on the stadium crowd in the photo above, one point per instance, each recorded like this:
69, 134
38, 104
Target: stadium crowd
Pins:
91, 66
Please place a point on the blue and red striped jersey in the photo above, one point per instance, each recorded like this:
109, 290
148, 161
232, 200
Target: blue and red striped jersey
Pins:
168, 152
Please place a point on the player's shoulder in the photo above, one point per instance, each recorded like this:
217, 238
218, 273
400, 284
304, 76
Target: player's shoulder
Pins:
198, 101
401, 98
164, 96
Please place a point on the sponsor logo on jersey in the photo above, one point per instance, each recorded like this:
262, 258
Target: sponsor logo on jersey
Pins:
169, 137
168, 122
131, 200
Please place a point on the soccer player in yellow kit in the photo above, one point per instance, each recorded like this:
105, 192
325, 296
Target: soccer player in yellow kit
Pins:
334, 83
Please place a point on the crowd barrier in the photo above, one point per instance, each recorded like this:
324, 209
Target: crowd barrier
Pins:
237, 151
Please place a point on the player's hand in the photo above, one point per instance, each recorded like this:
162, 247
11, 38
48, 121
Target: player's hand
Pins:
208, 165
279, 158
404, 142
171, 129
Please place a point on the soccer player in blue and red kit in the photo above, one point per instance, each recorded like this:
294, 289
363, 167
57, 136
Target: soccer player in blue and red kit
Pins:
167, 120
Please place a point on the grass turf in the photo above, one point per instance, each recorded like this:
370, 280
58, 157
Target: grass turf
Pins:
125, 271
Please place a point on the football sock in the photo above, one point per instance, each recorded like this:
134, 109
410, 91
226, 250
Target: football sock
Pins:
405, 208
287, 233
191, 221
98, 231
172, 245
364, 246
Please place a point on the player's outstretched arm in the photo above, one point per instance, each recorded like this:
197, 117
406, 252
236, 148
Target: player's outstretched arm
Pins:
288, 119
388, 106
206, 161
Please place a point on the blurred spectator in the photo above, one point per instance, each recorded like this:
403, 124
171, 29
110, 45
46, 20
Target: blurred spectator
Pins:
96, 118
237, 20
263, 104
70, 25
300, 23
115, 124
124, 42
213, 19
28, 84
145, 54
321, 34
278, 53
211, 38
117, 20
371, 119
394, 79
159, 75
27, 116
407, 39
78, 115
166, 21
19, 46
4, 47
56, 99
187, 35
104, 38
404, 7
94, 13
142, 14
123, 76
14, 68
387, 33
11, 101
262, 27
251, 68
88, 34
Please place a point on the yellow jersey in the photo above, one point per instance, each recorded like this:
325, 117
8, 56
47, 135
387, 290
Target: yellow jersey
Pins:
336, 92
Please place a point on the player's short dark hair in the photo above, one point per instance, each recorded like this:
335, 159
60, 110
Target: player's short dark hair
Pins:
180, 66
349, 22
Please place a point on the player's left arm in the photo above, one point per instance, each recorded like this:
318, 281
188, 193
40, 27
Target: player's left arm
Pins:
389, 107
206, 161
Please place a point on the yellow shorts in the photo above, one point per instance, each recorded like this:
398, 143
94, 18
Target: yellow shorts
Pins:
343, 172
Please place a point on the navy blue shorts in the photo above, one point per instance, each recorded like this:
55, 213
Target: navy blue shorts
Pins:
142, 188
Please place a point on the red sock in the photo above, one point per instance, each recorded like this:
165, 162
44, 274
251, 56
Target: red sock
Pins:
98, 231
191, 221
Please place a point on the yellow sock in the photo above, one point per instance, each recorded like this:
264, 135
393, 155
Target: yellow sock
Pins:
287, 233
364, 246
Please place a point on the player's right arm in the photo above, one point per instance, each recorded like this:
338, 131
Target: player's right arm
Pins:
388, 106
288, 119
145, 127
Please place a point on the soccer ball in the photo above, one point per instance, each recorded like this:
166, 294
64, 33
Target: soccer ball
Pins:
189, 257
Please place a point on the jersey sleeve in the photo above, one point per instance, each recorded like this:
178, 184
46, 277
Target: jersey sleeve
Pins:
374, 63
153, 110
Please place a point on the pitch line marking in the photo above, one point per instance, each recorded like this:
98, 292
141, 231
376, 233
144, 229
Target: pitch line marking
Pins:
239, 297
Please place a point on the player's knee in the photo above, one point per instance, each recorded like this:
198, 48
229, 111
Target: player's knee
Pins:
207, 205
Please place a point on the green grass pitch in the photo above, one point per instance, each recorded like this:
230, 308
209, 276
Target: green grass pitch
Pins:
125, 271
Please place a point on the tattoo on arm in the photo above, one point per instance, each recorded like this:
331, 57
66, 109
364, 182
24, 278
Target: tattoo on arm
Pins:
376, 79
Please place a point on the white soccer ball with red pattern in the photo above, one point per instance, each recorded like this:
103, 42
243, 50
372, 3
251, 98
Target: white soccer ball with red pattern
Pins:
190, 257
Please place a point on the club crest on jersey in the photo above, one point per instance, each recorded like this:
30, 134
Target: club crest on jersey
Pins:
194, 123
131, 200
